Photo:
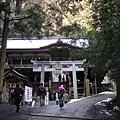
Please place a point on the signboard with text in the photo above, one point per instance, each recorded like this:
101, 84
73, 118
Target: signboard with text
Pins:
28, 94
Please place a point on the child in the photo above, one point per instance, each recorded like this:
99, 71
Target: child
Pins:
66, 97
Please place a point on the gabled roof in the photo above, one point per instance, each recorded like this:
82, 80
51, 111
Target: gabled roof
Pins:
44, 49
59, 43
18, 75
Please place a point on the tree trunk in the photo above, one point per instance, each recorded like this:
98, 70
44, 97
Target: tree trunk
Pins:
118, 91
3, 48
85, 78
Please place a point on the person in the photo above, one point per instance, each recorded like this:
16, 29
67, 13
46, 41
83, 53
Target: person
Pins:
64, 85
61, 87
50, 95
42, 94
18, 93
56, 98
59, 77
66, 97
61, 91
63, 78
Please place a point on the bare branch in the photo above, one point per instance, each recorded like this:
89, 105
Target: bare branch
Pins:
17, 18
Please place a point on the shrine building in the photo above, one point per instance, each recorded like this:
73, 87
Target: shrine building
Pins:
54, 64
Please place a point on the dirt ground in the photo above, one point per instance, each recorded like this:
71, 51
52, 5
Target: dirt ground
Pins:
84, 109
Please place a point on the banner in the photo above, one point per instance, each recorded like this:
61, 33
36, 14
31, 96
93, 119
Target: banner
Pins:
28, 94
47, 99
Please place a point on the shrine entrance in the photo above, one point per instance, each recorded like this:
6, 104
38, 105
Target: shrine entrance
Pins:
59, 67
11, 79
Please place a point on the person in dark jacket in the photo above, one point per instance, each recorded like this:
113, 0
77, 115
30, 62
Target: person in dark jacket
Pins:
19, 92
42, 94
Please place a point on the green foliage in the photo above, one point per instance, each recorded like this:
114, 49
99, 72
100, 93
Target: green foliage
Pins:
2, 6
64, 14
29, 21
73, 31
105, 50
36, 25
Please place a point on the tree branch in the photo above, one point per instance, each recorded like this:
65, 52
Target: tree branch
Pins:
17, 18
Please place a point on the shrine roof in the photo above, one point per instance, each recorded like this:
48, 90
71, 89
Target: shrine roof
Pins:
24, 78
38, 44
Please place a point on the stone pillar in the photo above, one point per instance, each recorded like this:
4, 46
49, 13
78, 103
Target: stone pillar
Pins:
74, 81
42, 74
50, 84
87, 88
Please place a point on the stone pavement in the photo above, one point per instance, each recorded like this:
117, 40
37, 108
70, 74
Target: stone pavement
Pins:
75, 110
53, 111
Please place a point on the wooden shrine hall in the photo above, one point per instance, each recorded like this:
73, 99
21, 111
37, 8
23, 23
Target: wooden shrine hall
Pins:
54, 64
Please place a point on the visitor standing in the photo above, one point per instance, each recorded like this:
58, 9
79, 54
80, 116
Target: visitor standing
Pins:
42, 94
19, 92
61, 91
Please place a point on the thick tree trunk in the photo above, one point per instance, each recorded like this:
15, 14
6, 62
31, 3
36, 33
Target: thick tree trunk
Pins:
3, 48
118, 91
